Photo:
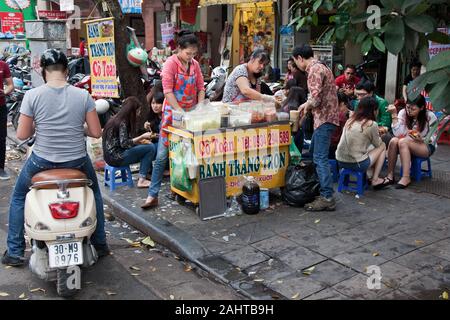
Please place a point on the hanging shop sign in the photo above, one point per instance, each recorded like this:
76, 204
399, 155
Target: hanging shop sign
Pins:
205, 3
66, 5
102, 58
52, 15
12, 22
435, 48
131, 6
18, 4
167, 33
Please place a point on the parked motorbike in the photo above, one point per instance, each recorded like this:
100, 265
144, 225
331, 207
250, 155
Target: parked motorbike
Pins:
60, 218
218, 79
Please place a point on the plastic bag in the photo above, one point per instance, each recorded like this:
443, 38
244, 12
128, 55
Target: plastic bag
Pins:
95, 151
179, 177
191, 162
294, 154
302, 184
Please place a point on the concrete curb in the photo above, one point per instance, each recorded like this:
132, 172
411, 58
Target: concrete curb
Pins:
161, 231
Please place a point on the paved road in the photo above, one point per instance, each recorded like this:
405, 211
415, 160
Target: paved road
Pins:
148, 273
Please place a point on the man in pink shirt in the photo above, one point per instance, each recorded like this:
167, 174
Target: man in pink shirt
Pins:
323, 102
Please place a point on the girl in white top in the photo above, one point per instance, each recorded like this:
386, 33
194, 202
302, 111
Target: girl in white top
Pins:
411, 127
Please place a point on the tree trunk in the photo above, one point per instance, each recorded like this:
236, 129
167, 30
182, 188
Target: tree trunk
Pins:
130, 77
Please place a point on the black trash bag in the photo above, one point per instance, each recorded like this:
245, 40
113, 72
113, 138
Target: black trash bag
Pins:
302, 184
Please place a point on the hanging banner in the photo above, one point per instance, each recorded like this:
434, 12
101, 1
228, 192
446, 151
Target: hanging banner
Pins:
167, 33
11, 22
52, 15
102, 59
434, 48
188, 10
131, 6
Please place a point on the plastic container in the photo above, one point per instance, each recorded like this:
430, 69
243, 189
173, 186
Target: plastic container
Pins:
283, 116
250, 196
270, 112
200, 121
177, 118
240, 118
264, 199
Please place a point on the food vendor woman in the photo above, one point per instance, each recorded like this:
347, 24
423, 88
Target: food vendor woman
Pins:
244, 83
183, 88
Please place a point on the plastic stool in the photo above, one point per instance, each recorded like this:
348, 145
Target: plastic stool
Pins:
358, 186
416, 168
334, 169
125, 175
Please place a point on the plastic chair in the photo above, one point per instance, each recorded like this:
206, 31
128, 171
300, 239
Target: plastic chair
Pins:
125, 175
334, 169
416, 168
358, 186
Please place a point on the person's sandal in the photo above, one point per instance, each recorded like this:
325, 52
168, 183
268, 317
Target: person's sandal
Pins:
386, 182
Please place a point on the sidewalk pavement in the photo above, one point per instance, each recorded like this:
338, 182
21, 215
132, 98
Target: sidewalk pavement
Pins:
289, 253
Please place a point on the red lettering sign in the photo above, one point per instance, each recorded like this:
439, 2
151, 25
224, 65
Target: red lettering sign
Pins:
52, 15
12, 22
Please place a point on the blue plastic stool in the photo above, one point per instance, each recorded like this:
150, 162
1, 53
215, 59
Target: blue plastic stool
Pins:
358, 186
125, 175
334, 169
416, 168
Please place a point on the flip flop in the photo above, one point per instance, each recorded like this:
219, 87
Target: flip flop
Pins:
401, 186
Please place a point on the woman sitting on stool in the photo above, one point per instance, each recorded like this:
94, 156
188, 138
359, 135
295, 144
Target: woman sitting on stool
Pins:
121, 147
410, 128
358, 134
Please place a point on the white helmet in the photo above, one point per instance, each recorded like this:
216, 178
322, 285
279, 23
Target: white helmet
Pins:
101, 106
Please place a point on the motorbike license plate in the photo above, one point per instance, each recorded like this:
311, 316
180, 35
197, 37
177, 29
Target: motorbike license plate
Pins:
65, 254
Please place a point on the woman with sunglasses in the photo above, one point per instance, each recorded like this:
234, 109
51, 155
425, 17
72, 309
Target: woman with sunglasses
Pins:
410, 126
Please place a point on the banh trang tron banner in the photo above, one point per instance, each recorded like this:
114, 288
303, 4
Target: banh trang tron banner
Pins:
102, 58
205, 3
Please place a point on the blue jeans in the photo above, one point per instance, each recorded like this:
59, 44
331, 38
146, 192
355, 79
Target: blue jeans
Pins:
35, 164
162, 157
144, 153
320, 145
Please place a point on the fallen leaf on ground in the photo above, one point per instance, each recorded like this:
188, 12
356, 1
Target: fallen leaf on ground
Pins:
4, 294
251, 273
308, 271
188, 268
317, 221
361, 203
132, 243
153, 269
445, 295
148, 241
22, 296
375, 254
111, 293
135, 274
418, 242
150, 259
169, 265
135, 268
258, 280
296, 296
37, 289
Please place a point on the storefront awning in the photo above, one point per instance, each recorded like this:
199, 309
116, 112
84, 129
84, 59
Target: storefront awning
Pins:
205, 3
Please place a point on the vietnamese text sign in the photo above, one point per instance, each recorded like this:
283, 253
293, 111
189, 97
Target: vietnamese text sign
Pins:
131, 6
11, 22
100, 37
435, 48
167, 33
52, 15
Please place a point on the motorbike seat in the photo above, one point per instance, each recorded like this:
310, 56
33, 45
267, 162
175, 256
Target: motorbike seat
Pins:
58, 174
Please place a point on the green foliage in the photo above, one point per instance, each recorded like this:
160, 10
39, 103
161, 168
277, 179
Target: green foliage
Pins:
406, 27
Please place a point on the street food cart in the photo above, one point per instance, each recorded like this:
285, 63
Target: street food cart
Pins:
260, 150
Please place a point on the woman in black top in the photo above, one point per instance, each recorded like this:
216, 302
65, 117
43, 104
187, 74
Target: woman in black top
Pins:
122, 147
415, 72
